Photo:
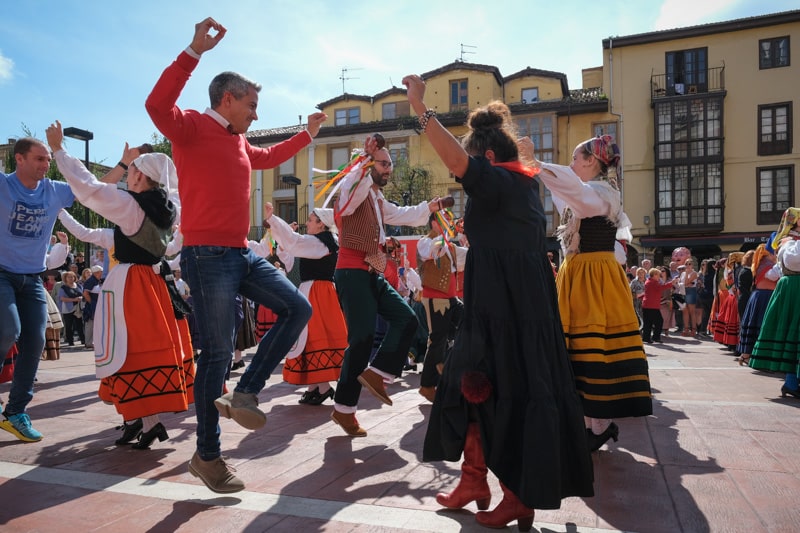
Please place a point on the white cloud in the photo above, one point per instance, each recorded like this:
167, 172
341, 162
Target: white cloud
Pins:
683, 13
6, 68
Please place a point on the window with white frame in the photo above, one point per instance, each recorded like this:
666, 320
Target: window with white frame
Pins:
530, 95
346, 116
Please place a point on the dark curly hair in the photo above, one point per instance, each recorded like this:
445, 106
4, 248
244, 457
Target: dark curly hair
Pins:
491, 128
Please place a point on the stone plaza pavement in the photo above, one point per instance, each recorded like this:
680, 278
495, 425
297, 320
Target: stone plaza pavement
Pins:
720, 453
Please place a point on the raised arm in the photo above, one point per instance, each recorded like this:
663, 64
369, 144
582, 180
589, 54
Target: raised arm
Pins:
447, 147
103, 198
116, 174
103, 237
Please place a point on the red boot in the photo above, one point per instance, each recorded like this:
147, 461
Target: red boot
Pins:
508, 510
473, 485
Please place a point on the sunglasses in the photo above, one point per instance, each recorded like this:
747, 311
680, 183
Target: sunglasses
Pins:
384, 163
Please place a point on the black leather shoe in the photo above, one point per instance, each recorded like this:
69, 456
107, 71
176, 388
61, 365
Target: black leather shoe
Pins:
237, 365
786, 390
318, 398
147, 438
596, 441
130, 432
308, 395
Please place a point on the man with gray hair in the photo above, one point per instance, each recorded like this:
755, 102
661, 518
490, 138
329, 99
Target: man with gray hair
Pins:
214, 162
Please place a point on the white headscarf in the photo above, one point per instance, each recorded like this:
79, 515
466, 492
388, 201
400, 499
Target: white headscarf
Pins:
159, 167
325, 214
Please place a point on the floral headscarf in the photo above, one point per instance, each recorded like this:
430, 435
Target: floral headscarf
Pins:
787, 226
604, 148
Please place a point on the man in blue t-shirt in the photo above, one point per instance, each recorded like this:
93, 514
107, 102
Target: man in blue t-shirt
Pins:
29, 205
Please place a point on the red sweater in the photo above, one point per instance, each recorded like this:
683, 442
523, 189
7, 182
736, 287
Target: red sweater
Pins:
213, 165
652, 294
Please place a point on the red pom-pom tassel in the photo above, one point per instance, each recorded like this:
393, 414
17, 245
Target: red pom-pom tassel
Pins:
476, 387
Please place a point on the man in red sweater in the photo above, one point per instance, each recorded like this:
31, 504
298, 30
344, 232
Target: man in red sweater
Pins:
214, 161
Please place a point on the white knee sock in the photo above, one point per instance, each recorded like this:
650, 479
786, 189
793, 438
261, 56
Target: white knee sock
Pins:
148, 422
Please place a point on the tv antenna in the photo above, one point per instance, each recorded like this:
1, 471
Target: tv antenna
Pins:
344, 76
463, 51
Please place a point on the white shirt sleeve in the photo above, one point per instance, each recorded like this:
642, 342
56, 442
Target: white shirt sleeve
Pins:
261, 249
103, 237
570, 190
57, 256
103, 198
413, 215
298, 245
354, 189
412, 280
286, 258
428, 248
789, 255
461, 257
774, 273
174, 246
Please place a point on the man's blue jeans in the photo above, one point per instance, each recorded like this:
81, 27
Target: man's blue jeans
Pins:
215, 275
23, 319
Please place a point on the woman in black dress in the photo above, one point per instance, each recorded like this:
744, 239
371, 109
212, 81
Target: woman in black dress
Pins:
507, 395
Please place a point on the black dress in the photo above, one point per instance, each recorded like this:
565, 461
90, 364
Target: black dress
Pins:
532, 426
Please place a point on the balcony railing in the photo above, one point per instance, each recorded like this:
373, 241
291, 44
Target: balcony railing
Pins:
709, 80
278, 184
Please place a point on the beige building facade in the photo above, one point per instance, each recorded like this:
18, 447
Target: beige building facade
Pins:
706, 122
703, 115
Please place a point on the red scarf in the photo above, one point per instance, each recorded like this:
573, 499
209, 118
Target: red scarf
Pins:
519, 168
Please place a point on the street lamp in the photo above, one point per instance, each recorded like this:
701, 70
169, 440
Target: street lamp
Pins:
85, 136
255, 206
294, 181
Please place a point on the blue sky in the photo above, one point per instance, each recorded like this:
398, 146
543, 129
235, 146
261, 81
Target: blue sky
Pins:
91, 64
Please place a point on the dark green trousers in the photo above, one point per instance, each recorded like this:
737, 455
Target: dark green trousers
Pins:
364, 296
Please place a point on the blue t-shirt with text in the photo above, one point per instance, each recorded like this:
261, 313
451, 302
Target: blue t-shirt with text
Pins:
28, 217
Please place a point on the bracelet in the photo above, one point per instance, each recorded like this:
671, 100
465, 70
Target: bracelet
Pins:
425, 117
123, 165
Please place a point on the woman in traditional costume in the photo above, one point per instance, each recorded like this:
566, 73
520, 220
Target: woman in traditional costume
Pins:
141, 352
778, 346
600, 324
316, 359
766, 273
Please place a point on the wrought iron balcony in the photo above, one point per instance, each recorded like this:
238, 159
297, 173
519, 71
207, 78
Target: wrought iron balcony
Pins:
704, 81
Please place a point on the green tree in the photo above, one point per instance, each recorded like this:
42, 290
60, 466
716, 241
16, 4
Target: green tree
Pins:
410, 185
161, 144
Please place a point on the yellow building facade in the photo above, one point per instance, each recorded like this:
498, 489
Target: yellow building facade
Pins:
706, 121
703, 115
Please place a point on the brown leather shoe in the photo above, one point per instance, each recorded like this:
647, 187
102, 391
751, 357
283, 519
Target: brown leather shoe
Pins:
374, 383
429, 393
348, 423
216, 474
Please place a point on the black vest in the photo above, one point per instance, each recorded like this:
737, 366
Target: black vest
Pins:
148, 245
598, 234
322, 268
